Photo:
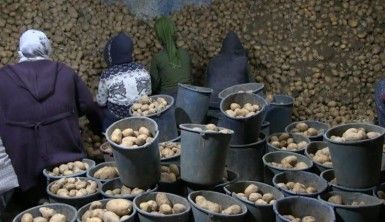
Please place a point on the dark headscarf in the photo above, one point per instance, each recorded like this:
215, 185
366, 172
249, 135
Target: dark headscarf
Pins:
119, 50
232, 45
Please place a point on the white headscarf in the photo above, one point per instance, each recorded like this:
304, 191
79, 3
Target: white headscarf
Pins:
34, 45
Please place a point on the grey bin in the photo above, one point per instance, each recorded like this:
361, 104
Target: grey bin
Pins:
253, 87
116, 183
279, 112
138, 167
92, 171
296, 137
312, 148
320, 126
67, 210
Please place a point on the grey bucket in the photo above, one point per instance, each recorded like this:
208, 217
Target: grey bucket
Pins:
246, 129
279, 112
255, 213
265, 129
277, 156
51, 178
246, 160
312, 148
368, 212
301, 207
192, 104
296, 137
165, 119
174, 199
92, 171
138, 167
203, 155
306, 178
328, 175
175, 159
82, 210
232, 178
321, 127
219, 198
116, 183
67, 210
76, 202
252, 87
362, 170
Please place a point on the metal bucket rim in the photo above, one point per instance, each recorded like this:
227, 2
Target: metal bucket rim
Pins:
104, 201
326, 137
260, 140
292, 125
75, 198
307, 153
159, 113
188, 127
73, 209
262, 110
374, 199
268, 164
343, 188
282, 104
45, 171
306, 139
194, 88
151, 189
259, 87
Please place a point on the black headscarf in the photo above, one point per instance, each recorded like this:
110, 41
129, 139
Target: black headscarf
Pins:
118, 50
232, 45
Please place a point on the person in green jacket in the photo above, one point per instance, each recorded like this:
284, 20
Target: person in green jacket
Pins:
172, 65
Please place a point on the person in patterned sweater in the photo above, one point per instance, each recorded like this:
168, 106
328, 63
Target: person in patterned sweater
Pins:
123, 82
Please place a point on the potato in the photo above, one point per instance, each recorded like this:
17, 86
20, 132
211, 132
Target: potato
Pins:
97, 213
161, 198
145, 207
106, 172
251, 189
178, 208
336, 199
27, 217
137, 191
120, 207
309, 219
301, 126
40, 219
260, 202
291, 159
125, 190
94, 219
254, 197
62, 193
174, 169
165, 209
232, 210
168, 178
207, 205
58, 218
80, 165
144, 131
301, 165
267, 197
153, 205
116, 136
372, 135
110, 216
234, 106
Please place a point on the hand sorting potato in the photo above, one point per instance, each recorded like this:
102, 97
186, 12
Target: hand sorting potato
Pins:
202, 202
73, 187
290, 162
297, 187
69, 168
337, 199
113, 211
130, 138
254, 194
169, 149
123, 191
169, 174
323, 157
285, 142
106, 172
212, 128
47, 215
298, 219
355, 134
237, 111
304, 129
162, 206
146, 106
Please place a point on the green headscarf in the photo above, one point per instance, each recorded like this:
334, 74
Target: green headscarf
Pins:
165, 31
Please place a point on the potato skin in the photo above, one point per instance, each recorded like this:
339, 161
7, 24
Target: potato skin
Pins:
120, 207
58, 218
27, 217
110, 216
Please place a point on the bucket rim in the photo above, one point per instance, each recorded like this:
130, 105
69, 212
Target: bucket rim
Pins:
159, 113
325, 127
305, 138
195, 88
268, 164
46, 170
151, 189
73, 209
259, 87
103, 201
343, 188
260, 140
99, 184
373, 198
189, 127
282, 104
307, 153
261, 111
354, 125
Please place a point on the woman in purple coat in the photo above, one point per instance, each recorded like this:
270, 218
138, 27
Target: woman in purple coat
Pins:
40, 102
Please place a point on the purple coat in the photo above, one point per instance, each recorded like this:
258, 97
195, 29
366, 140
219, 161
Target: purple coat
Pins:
40, 102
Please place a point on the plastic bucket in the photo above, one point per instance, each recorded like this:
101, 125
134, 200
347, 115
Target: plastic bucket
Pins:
246, 160
368, 212
296, 137
246, 129
203, 155
362, 170
225, 201
265, 129
138, 167
252, 87
255, 213
51, 178
93, 170
279, 112
321, 127
312, 148
116, 183
192, 104
165, 119
301, 207
174, 199
306, 178
174, 159
82, 210
67, 210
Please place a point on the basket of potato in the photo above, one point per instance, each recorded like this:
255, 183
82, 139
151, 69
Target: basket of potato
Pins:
319, 152
356, 140
170, 152
159, 206
287, 142
107, 210
104, 172
116, 189
313, 130
70, 169
54, 212
75, 191
252, 87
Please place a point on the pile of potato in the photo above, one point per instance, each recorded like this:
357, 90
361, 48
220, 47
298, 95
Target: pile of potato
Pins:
146, 106
297, 187
202, 202
169, 174
113, 211
337, 199
106, 173
169, 149
47, 215
290, 162
298, 219
285, 142
323, 157
123, 191
237, 111
254, 194
355, 134
162, 206
131, 138
304, 129
69, 169
73, 187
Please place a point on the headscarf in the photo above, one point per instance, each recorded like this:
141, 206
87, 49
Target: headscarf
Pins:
165, 31
34, 45
232, 45
118, 50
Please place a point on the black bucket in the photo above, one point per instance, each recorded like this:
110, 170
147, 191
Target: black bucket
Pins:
203, 155
246, 129
116, 183
91, 172
67, 210
192, 104
246, 160
219, 198
356, 164
301, 207
252, 87
174, 159
232, 177
321, 127
174, 199
138, 167
255, 213
51, 178
279, 112
296, 137
265, 129
368, 212
306, 178
312, 148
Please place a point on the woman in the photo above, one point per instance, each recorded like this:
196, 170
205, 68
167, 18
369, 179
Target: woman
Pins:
123, 82
172, 65
40, 102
